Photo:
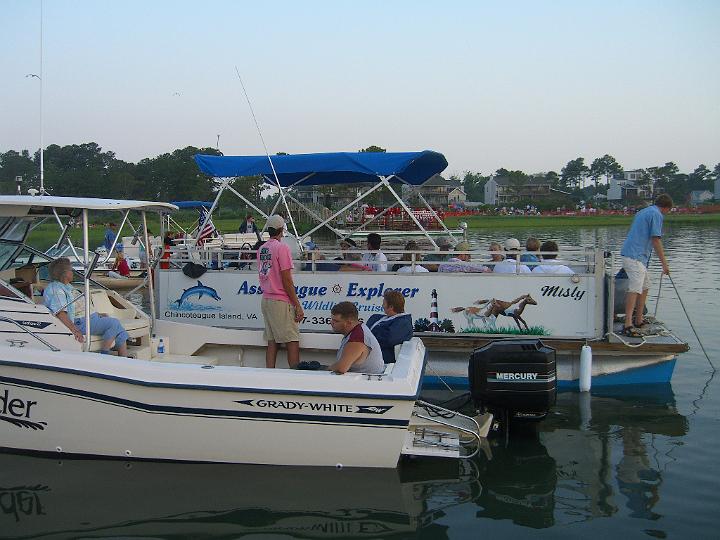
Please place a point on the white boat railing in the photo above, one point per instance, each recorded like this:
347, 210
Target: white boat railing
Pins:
581, 261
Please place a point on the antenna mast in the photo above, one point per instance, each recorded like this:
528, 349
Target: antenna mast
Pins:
272, 166
42, 143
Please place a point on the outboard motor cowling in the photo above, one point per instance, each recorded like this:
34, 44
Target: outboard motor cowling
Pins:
514, 376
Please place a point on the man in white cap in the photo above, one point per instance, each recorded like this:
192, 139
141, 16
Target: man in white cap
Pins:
281, 308
510, 265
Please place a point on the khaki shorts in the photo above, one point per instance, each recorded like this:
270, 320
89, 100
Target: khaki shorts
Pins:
638, 275
280, 325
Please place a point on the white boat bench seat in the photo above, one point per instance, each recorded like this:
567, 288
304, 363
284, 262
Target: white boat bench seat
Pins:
101, 303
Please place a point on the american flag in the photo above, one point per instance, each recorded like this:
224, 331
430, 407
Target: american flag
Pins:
205, 226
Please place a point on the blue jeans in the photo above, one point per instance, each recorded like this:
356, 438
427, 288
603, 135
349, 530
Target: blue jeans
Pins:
107, 327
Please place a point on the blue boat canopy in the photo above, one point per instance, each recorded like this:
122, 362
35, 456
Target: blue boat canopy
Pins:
330, 168
192, 204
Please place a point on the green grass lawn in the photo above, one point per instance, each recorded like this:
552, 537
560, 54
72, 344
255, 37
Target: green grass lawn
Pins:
505, 222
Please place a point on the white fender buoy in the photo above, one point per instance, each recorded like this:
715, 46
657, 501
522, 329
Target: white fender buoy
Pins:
585, 368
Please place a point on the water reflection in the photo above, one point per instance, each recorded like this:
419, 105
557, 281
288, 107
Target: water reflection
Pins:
610, 455
40, 496
583, 463
519, 484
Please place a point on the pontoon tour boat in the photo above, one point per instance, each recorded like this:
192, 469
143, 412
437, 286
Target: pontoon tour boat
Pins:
454, 313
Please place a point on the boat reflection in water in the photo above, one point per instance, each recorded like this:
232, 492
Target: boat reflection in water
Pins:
590, 459
593, 457
611, 451
46, 497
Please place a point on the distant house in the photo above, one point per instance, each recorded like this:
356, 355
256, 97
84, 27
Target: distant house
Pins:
717, 189
499, 190
628, 187
457, 195
439, 192
700, 196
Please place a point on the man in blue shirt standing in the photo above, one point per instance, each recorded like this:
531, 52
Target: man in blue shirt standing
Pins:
644, 236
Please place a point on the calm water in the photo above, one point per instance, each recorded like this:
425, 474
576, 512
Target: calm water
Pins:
639, 464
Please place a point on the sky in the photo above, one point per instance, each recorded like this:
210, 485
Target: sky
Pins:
525, 85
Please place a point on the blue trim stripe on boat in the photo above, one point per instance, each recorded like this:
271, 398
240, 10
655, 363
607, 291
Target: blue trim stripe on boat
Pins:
166, 409
655, 374
290, 392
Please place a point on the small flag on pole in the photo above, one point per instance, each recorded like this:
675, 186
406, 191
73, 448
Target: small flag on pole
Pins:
206, 227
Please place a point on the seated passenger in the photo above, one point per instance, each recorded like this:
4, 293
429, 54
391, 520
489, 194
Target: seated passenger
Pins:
556, 268
460, 262
59, 296
348, 248
120, 268
532, 245
443, 244
495, 255
412, 245
359, 350
352, 259
394, 327
509, 265
312, 254
167, 246
376, 259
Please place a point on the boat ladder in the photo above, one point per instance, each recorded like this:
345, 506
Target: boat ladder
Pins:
440, 432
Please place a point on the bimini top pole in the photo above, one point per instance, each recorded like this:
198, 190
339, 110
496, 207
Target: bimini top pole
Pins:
86, 277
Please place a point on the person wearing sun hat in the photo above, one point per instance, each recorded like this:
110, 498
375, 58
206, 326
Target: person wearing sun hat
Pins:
280, 306
510, 265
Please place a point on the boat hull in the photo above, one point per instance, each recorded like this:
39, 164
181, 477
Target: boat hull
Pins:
613, 364
90, 410
120, 284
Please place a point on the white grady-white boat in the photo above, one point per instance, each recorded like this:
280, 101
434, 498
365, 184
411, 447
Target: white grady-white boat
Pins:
202, 395
453, 312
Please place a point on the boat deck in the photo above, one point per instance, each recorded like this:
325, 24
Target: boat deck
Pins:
657, 339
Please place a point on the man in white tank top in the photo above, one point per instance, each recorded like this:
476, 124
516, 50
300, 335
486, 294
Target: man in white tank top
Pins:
359, 350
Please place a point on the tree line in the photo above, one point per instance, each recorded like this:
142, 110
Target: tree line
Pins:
578, 181
85, 170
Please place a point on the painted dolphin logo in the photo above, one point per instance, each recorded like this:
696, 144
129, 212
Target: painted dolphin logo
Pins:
200, 290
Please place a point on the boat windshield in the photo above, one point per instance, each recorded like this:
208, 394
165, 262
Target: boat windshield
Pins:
17, 254
13, 231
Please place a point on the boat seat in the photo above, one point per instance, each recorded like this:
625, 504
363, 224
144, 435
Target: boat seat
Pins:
388, 368
135, 326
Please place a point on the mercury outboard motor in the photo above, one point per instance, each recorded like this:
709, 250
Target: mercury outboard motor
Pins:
515, 378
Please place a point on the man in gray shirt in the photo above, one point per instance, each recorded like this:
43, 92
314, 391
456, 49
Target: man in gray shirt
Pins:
359, 349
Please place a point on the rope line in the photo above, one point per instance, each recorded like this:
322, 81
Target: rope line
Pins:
691, 324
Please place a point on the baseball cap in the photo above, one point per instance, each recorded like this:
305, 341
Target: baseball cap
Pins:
276, 222
512, 244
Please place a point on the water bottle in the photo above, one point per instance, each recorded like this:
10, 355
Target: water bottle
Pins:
161, 347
